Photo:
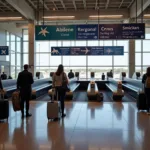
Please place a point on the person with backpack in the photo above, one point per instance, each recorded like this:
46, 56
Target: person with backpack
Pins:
146, 82
60, 82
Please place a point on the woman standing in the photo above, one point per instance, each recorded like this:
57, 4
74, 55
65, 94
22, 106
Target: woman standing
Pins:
146, 82
59, 80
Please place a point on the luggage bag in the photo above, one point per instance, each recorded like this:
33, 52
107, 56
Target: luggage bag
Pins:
4, 108
141, 101
16, 101
53, 107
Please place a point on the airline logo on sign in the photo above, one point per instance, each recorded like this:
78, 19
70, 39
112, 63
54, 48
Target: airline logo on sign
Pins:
3, 50
43, 31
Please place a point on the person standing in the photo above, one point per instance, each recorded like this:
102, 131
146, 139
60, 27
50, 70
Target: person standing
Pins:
24, 82
146, 82
70, 74
59, 79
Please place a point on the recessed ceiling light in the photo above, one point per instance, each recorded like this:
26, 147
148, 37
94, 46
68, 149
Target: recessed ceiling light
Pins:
106, 16
10, 18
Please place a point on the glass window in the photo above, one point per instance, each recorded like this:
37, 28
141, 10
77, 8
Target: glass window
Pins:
52, 44
44, 71
25, 47
121, 60
137, 59
99, 60
13, 72
13, 48
146, 59
92, 43
12, 37
81, 70
118, 70
8, 36
25, 35
25, 59
80, 43
101, 43
42, 47
42, 59
18, 59
18, 39
66, 43
55, 60
147, 36
18, 46
138, 45
108, 43
7, 58
7, 43
13, 59
98, 71
138, 69
74, 60
18, 71
146, 44
124, 43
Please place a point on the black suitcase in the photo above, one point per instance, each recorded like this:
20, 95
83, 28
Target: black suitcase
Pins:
141, 102
4, 108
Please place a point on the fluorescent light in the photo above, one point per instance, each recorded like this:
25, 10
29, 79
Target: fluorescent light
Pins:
10, 18
147, 15
58, 17
106, 16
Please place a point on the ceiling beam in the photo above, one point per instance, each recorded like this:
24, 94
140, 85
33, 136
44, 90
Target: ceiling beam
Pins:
23, 8
45, 6
74, 4
121, 4
84, 3
106, 6
63, 4
32, 4
96, 4
2, 10
54, 5
130, 3
6, 6
81, 15
146, 3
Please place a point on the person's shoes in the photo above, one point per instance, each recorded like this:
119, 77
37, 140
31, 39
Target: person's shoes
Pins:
28, 115
63, 115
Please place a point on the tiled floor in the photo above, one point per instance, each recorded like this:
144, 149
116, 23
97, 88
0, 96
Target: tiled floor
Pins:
87, 126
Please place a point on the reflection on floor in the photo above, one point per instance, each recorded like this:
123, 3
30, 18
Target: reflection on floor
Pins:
87, 126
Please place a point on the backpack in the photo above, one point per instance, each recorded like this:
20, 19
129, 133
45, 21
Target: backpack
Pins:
147, 83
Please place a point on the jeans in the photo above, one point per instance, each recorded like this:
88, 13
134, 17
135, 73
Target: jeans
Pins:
61, 97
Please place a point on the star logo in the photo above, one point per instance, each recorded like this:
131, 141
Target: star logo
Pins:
43, 32
3, 52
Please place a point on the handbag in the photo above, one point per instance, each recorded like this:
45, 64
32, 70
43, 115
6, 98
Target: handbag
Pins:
65, 84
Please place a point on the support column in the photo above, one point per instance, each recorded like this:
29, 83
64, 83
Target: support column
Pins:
131, 57
31, 28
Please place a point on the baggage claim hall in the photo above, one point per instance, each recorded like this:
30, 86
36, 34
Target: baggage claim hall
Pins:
103, 47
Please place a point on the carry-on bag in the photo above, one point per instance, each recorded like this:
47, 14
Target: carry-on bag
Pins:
4, 107
53, 107
16, 101
141, 101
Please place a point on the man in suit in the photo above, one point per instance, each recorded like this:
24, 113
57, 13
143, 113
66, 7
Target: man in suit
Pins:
24, 82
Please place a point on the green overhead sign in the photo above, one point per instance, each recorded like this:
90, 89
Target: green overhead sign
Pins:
55, 32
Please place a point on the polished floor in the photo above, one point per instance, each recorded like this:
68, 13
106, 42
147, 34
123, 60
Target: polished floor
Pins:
87, 126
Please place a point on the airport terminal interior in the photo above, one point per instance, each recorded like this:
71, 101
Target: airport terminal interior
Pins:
106, 45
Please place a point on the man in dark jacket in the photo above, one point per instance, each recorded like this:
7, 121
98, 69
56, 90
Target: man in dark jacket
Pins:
24, 82
70, 74
1, 86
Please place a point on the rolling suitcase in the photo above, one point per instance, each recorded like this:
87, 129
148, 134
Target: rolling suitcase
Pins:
16, 101
4, 108
141, 101
53, 108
